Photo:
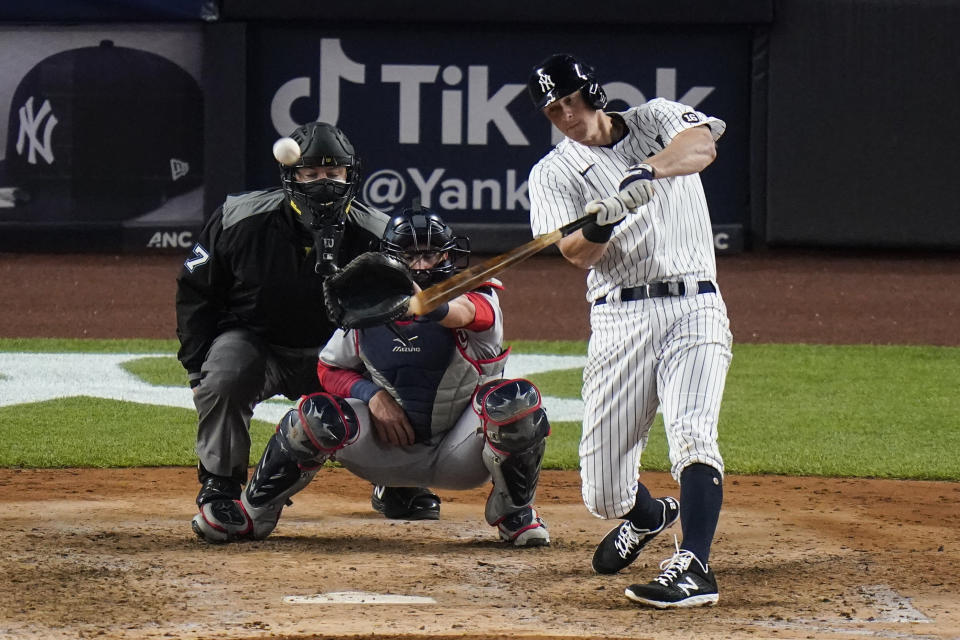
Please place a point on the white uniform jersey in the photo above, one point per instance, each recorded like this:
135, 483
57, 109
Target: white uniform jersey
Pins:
670, 352
654, 244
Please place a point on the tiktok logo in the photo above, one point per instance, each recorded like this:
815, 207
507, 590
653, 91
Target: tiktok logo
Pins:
30, 122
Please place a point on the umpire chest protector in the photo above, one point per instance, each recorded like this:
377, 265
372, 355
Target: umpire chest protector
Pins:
429, 373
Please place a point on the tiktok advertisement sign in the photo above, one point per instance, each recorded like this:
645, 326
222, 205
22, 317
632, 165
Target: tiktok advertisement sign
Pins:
444, 115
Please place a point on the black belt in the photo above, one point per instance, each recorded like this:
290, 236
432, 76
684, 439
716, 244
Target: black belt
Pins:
658, 290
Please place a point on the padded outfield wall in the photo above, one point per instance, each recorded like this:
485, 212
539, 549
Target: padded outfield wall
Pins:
862, 132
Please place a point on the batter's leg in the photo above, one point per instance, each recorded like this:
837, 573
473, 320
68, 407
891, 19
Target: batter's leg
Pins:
620, 403
691, 381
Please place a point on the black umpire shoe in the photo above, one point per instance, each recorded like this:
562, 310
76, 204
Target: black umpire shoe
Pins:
623, 544
216, 488
683, 582
406, 503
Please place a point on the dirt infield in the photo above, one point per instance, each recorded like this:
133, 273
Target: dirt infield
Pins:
109, 553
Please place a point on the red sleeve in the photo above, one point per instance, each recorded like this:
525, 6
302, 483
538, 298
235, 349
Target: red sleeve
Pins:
485, 315
336, 381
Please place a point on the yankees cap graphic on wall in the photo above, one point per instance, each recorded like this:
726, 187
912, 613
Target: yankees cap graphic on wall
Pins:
100, 133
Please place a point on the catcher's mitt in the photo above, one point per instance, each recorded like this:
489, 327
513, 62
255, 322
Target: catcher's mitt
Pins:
372, 289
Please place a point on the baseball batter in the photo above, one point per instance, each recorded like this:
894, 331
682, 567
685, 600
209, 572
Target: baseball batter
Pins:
660, 334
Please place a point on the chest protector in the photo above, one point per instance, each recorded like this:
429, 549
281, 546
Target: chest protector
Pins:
428, 372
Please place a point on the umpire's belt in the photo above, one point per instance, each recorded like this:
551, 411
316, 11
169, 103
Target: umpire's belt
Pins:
658, 290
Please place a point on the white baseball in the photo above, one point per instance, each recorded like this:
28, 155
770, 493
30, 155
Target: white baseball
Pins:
286, 151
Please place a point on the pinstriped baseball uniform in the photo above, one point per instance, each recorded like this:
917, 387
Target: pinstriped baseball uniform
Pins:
673, 351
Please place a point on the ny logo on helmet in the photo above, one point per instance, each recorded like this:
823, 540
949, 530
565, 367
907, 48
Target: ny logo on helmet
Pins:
546, 82
29, 124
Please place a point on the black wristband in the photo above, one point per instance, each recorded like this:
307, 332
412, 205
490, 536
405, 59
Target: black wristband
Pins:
439, 313
597, 233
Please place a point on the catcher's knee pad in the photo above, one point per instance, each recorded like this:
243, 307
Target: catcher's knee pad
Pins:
515, 427
305, 438
320, 425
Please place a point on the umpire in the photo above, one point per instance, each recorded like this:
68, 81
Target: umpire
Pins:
250, 311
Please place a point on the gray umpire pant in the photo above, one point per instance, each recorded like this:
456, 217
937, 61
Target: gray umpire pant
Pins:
240, 371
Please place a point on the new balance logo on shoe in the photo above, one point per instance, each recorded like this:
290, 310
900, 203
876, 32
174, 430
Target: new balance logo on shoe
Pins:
684, 581
687, 586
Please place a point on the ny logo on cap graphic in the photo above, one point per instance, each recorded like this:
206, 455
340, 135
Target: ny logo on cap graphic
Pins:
30, 122
546, 82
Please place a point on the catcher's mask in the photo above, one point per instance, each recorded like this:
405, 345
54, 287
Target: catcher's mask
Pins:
421, 233
323, 202
561, 74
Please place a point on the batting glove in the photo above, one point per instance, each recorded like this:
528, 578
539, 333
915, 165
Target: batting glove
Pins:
609, 211
635, 188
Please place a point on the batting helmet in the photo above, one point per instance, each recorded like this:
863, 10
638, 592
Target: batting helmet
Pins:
561, 74
322, 202
422, 233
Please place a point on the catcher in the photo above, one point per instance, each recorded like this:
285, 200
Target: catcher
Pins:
415, 401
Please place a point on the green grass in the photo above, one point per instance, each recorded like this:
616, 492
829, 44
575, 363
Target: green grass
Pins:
826, 410
94, 432
57, 345
866, 411
161, 371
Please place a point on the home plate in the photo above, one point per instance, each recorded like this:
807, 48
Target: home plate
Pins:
358, 597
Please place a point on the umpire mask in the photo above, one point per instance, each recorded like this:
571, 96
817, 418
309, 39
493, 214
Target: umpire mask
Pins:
321, 204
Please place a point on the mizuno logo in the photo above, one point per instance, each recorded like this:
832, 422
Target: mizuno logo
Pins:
687, 586
406, 347
29, 127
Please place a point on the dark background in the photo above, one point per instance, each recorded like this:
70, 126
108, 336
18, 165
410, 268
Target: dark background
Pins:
840, 111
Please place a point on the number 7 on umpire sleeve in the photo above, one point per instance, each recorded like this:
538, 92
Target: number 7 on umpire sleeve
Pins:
201, 256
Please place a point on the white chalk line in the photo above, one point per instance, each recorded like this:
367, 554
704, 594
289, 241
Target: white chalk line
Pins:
36, 377
358, 597
891, 607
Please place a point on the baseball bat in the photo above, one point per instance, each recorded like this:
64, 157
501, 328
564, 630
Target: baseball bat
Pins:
433, 296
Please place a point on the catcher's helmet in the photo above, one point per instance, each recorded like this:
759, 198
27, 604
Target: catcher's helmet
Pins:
415, 232
321, 202
561, 74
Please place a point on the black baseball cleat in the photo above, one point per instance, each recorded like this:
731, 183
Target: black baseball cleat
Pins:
623, 544
683, 582
406, 503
